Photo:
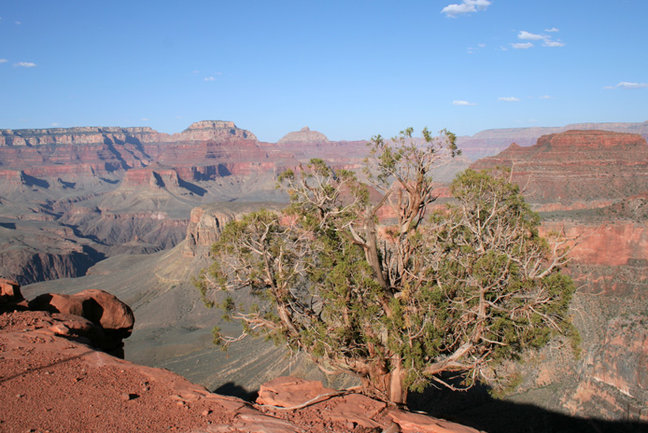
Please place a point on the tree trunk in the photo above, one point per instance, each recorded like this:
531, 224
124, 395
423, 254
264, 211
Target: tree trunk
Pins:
397, 388
386, 385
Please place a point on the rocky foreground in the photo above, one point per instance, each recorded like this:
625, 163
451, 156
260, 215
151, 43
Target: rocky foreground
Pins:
53, 378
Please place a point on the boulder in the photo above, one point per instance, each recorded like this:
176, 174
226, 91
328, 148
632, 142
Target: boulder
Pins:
113, 319
98, 306
9, 291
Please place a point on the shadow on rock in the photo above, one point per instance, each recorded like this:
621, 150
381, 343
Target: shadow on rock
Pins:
478, 409
234, 390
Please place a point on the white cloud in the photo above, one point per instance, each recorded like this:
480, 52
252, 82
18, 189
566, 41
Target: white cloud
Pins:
524, 35
3, 60
522, 45
26, 64
210, 78
544, 97
54, 124
145, 119
462, 103
466, 6
508, 99
453, 10
550, 43
18, 23
528, 36
471, 50
628, 85
552, 30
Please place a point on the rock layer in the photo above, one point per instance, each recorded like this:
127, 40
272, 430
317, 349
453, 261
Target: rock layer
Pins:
492, 141
303, 136
577, 166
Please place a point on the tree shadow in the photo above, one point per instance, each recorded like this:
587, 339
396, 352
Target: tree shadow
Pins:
234, 390
42, 367
478, 409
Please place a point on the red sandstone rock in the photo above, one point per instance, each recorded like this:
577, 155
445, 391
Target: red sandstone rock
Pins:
98, 306
9, 291
610, 244
417, 423
304, 136
349, 411
70, 153
87, 390
203, 230
577, 166
358, 409
291, 391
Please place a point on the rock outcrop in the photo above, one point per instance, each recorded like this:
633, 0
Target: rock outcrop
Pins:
577, 167
203, 230
9, 292
36, 250
88, 390
71, 153
303, 136
492, 141
91, 316
101, 308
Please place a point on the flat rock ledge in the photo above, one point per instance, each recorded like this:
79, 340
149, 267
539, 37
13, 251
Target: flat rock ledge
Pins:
52, 379
50, 383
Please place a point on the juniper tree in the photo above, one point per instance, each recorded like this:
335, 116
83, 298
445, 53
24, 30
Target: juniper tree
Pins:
358, 276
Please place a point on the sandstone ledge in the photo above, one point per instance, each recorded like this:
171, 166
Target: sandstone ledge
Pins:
53, 380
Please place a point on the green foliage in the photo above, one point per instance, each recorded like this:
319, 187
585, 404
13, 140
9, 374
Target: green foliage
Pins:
469, 288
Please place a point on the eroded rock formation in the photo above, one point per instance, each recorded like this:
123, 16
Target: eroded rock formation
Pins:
492, 141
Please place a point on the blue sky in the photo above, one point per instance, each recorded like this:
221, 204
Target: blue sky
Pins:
350, 69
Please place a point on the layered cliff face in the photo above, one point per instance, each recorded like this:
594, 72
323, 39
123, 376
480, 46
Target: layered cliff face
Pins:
88, 151
303, 136
577, 167
117, 190
492, 141
593, 187
197, 131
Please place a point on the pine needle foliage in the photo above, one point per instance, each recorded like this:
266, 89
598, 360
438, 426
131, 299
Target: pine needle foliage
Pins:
357, 275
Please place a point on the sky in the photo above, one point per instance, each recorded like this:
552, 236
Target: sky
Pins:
350, 69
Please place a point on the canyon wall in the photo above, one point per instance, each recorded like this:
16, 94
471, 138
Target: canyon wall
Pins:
592, 186
117, 190
492, 141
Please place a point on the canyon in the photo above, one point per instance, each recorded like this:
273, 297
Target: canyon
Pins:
134, 212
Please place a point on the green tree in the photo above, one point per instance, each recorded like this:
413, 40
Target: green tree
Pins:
352, 274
